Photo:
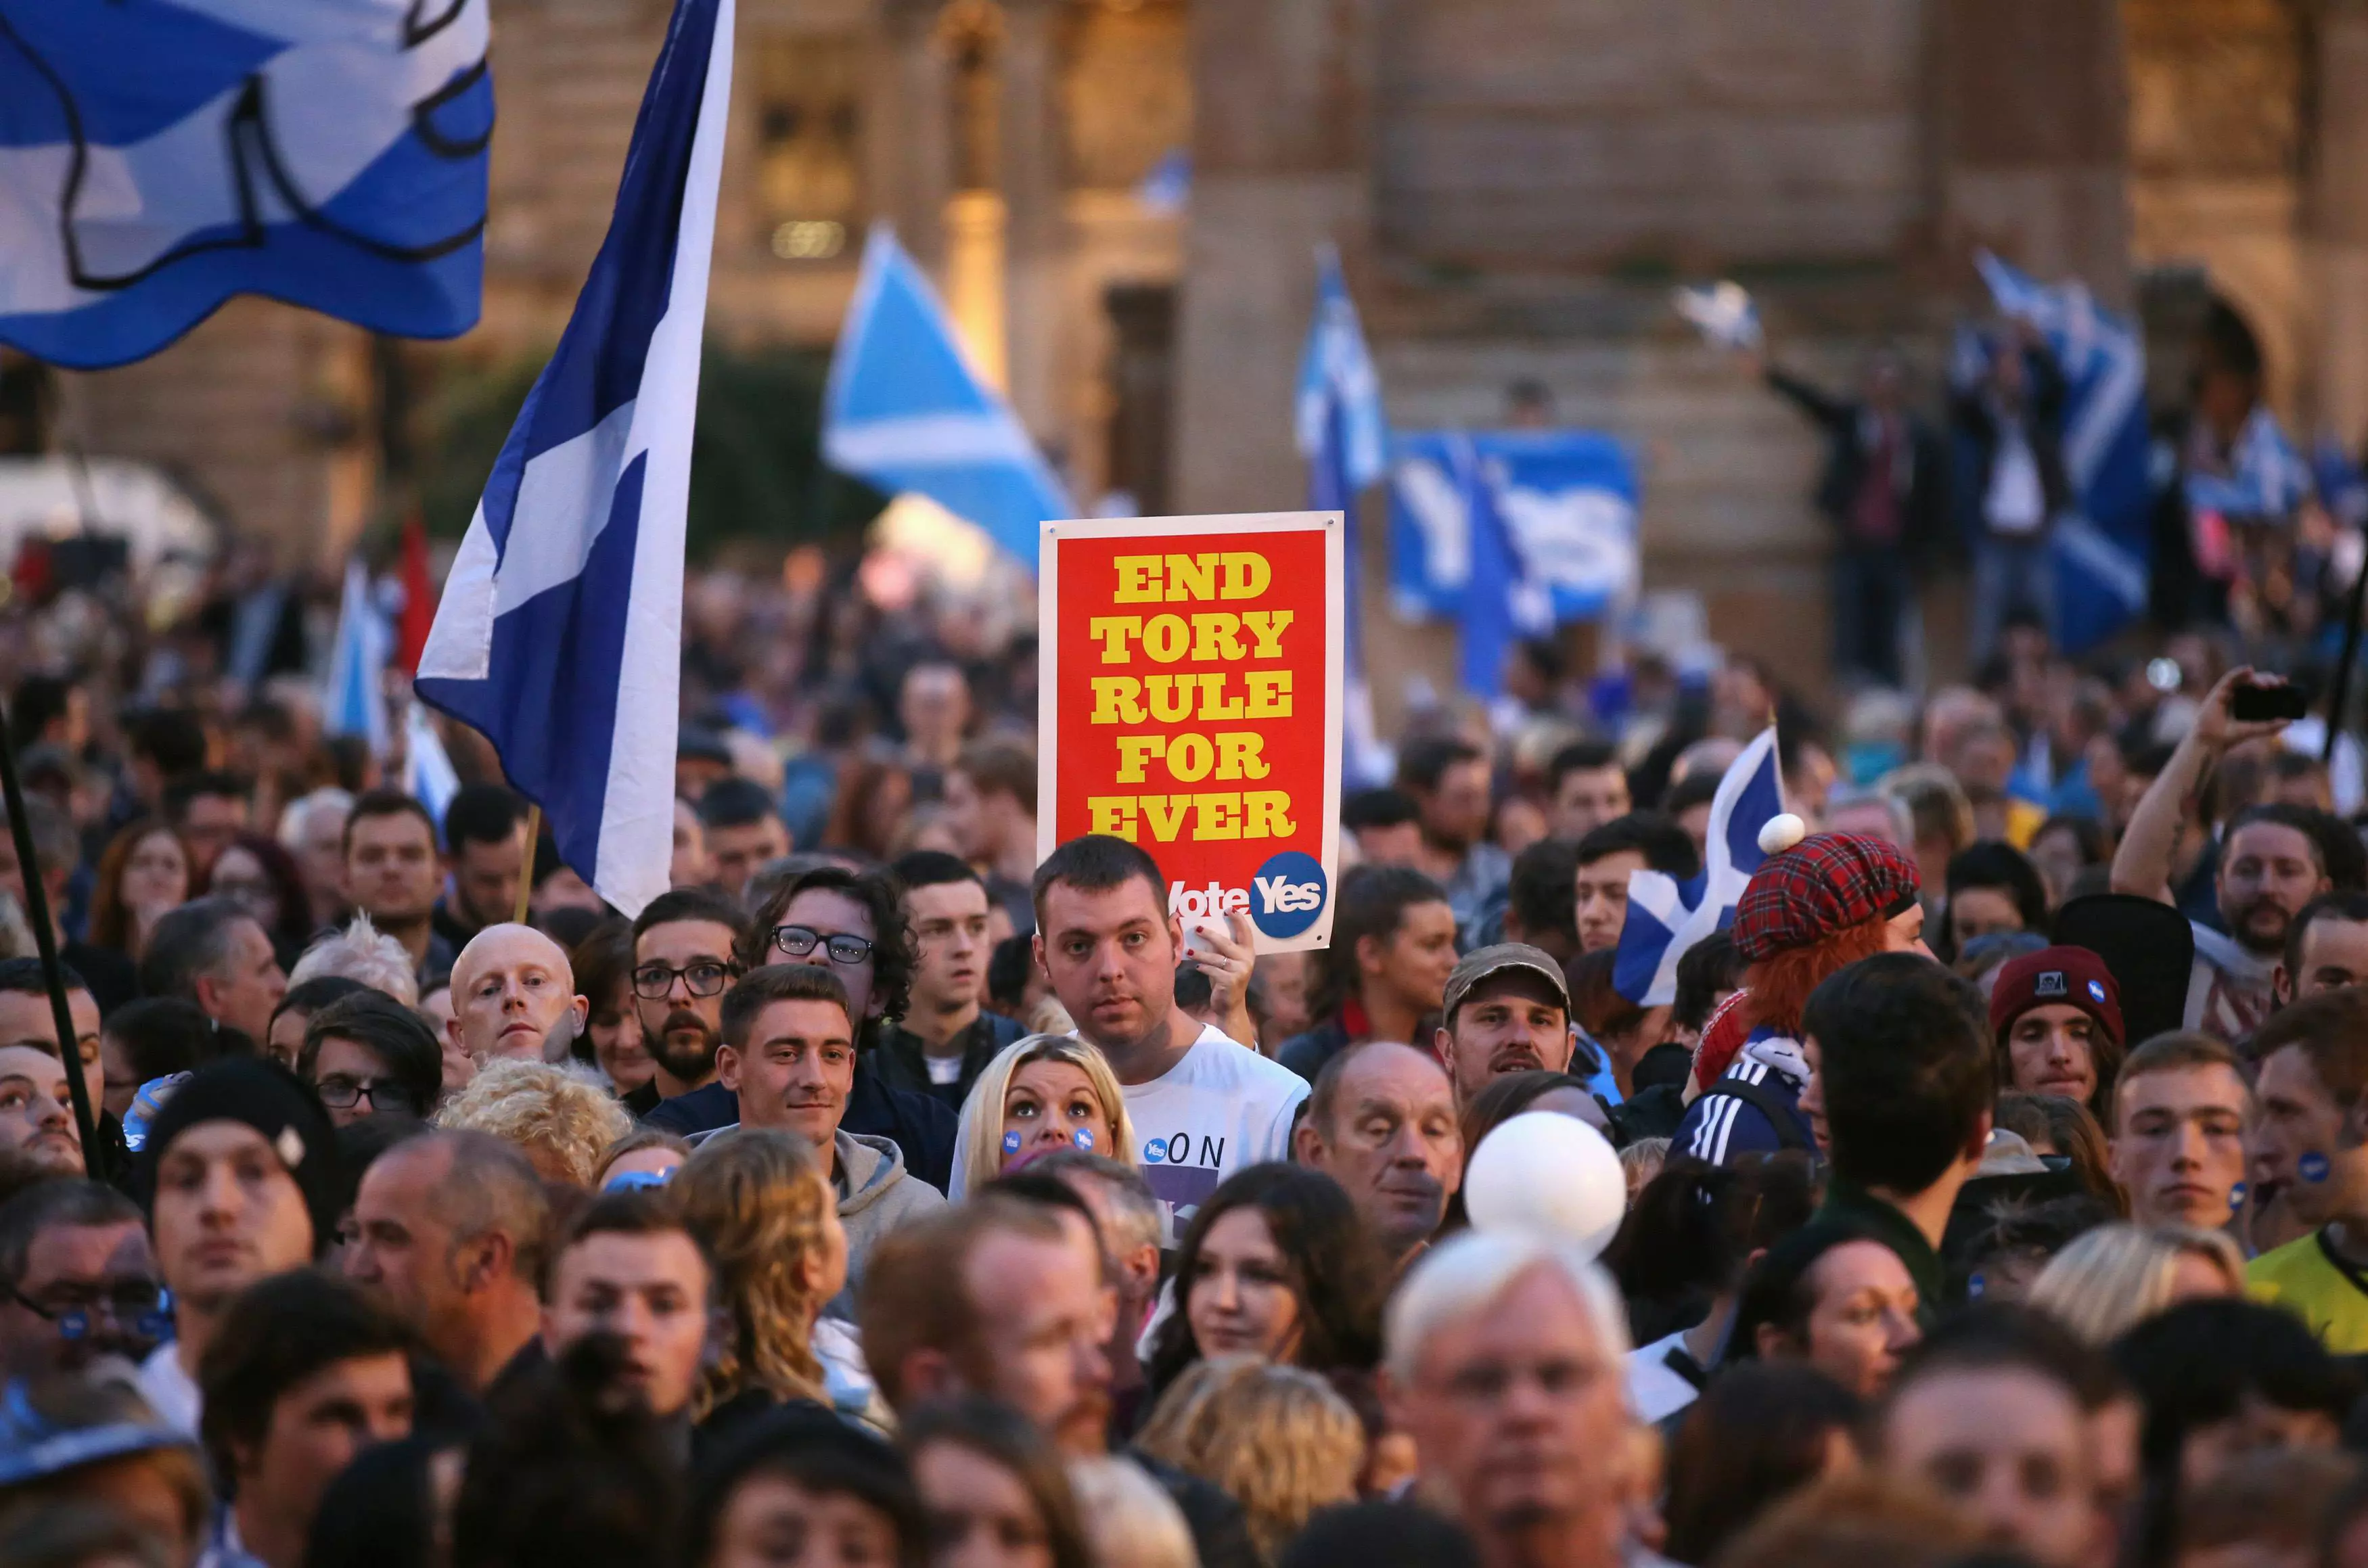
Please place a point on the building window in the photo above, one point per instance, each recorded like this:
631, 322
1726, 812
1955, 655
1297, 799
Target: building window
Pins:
809, 158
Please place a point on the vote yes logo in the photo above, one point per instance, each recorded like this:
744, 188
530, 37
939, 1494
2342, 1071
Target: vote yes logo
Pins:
1288, 893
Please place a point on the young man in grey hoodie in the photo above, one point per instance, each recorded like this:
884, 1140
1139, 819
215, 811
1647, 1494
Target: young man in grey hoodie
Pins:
788, 1055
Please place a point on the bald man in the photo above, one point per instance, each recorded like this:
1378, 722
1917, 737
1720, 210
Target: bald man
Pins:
1381, 1124
514, 996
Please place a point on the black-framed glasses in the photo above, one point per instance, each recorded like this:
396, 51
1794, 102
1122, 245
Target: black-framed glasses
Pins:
340, 1093
142, 1307
706, 978
799, 940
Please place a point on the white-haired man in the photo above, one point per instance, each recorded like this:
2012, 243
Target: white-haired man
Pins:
1503, 1361
514, 995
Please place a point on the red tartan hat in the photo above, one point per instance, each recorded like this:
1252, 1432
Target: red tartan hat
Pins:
1818, 887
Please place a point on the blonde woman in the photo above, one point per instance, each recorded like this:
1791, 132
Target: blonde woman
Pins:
2116, 1277
1277, 1437
563, 1119
770, 1222
1046, 1092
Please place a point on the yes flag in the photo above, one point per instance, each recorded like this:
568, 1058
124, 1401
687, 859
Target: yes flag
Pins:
560, 633
158, 156
905, 410
1667, 917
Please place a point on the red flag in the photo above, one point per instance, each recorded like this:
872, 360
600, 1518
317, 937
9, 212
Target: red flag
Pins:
418, 597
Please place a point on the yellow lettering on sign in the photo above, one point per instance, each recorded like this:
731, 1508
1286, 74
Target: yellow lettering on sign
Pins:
1138, 579
1216, 817
1166, 638
1241, 754
1246, 575
1269, 695
1171, 697
1267, 626
1217, 636
1216, 814
1192, 577
1114, 631
1111, 814
1135, 751
1166, 815
1118, 700
1266, 813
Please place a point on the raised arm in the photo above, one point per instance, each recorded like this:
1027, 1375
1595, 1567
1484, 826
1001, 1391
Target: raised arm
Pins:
2142, 864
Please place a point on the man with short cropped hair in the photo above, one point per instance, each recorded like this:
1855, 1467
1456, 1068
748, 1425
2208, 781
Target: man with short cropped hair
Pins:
208, 810
2309, 1142
450, 1232
2181, 1105
1448, 782
991, 810
1608, 855
78, 1280
1902, 1077
26, 1018
743, 830
393, 875
1381, 1122
684, 942
945, 1038
1503, 1362
1386, 826
2326, 947
629, 1268
1105, 939
37, 1116
514, 996
304, 1374
57, 850
484, 861
1587, 787
212, 952
1506, 1010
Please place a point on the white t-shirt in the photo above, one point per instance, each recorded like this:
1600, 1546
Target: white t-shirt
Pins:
942, 1069
1656, 1389
170, 1392
1220, 1109
2017, 502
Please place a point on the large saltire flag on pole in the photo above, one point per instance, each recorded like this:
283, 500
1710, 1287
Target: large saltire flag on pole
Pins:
559, 632
905, 410
158, 156
1666, 916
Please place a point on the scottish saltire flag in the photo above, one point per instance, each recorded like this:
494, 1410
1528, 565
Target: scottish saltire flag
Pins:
905, 411
1667, 917
355, 701
2342, 487
2267, 478
1511, 533
1343, 436
158, 156
559, 632
429, 775
2104, 551
1722, 312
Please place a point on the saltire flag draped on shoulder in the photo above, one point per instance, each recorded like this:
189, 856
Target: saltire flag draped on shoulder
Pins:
905, 410
2103, 551
560, 633
1667, 917
158, 156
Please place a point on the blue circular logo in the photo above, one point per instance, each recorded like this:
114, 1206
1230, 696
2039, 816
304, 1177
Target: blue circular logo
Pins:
2312, 1166
1011, 1142
1084, 1139
1154, 1151
2097, 992
2237, 1196
1289, 892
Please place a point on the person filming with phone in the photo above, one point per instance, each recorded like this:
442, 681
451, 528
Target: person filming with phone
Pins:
2272, 859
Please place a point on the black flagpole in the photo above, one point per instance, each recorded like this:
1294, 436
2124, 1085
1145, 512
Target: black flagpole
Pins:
37, 913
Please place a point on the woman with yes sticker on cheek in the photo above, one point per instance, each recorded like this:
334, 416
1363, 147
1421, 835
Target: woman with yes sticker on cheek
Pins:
1039, 1094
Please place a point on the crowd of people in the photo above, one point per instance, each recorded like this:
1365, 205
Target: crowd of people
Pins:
1995, 1182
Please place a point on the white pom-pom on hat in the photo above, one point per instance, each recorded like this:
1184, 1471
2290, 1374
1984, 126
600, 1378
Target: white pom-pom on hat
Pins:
1781, 831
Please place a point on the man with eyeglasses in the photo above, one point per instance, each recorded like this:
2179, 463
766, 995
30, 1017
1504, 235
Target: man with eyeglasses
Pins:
684, 959
368, 1054
78, 1280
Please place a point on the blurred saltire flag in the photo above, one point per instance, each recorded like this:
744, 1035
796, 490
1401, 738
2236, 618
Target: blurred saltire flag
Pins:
904, 410
2105, 550
158, 156
355, 701
560, 632
1666, 916
1345, 437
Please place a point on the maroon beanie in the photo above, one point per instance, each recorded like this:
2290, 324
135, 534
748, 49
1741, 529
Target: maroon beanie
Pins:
2072, 977
1820, 886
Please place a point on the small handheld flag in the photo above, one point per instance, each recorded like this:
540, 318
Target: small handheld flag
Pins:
1722, 312
560, 633
1667, 917
355, 701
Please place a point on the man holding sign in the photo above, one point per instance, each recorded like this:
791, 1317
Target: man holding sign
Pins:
1189, 772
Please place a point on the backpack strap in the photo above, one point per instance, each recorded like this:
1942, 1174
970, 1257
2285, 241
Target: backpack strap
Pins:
1782, 1118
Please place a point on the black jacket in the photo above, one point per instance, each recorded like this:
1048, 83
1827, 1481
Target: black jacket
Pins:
1842, 421
2041, 418
901, 1062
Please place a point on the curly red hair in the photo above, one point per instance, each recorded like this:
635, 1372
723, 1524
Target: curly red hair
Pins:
1778, 987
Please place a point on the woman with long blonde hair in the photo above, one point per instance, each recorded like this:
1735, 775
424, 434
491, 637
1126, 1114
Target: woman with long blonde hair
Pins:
770, 1222
2108, 1280
1046, 1092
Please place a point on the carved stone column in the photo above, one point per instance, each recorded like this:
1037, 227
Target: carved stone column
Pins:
2338, 208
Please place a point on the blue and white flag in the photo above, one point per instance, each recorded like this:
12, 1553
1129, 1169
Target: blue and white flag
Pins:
1166, 190
1667, 917
158, 156
356, 697
1511, 533
2104, 551
560, 633
1345, 438
2266, 480
429, 775
905, 410
1722, 312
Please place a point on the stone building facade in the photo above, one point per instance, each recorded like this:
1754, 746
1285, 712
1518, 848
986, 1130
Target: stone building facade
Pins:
1513, 184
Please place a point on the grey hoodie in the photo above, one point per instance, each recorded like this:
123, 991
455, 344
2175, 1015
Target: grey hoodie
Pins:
876, 1194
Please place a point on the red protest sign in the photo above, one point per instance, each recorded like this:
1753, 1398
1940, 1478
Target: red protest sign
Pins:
1189, 699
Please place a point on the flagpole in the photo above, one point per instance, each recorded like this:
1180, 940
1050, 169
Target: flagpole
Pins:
525, 872
45, 942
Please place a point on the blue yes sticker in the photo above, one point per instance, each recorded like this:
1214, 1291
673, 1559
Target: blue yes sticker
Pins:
1011, 1142
2312, 1167
2237, 1196
1084, 1139
1288, 892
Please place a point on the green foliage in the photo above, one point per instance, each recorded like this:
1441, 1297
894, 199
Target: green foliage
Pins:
756, 468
